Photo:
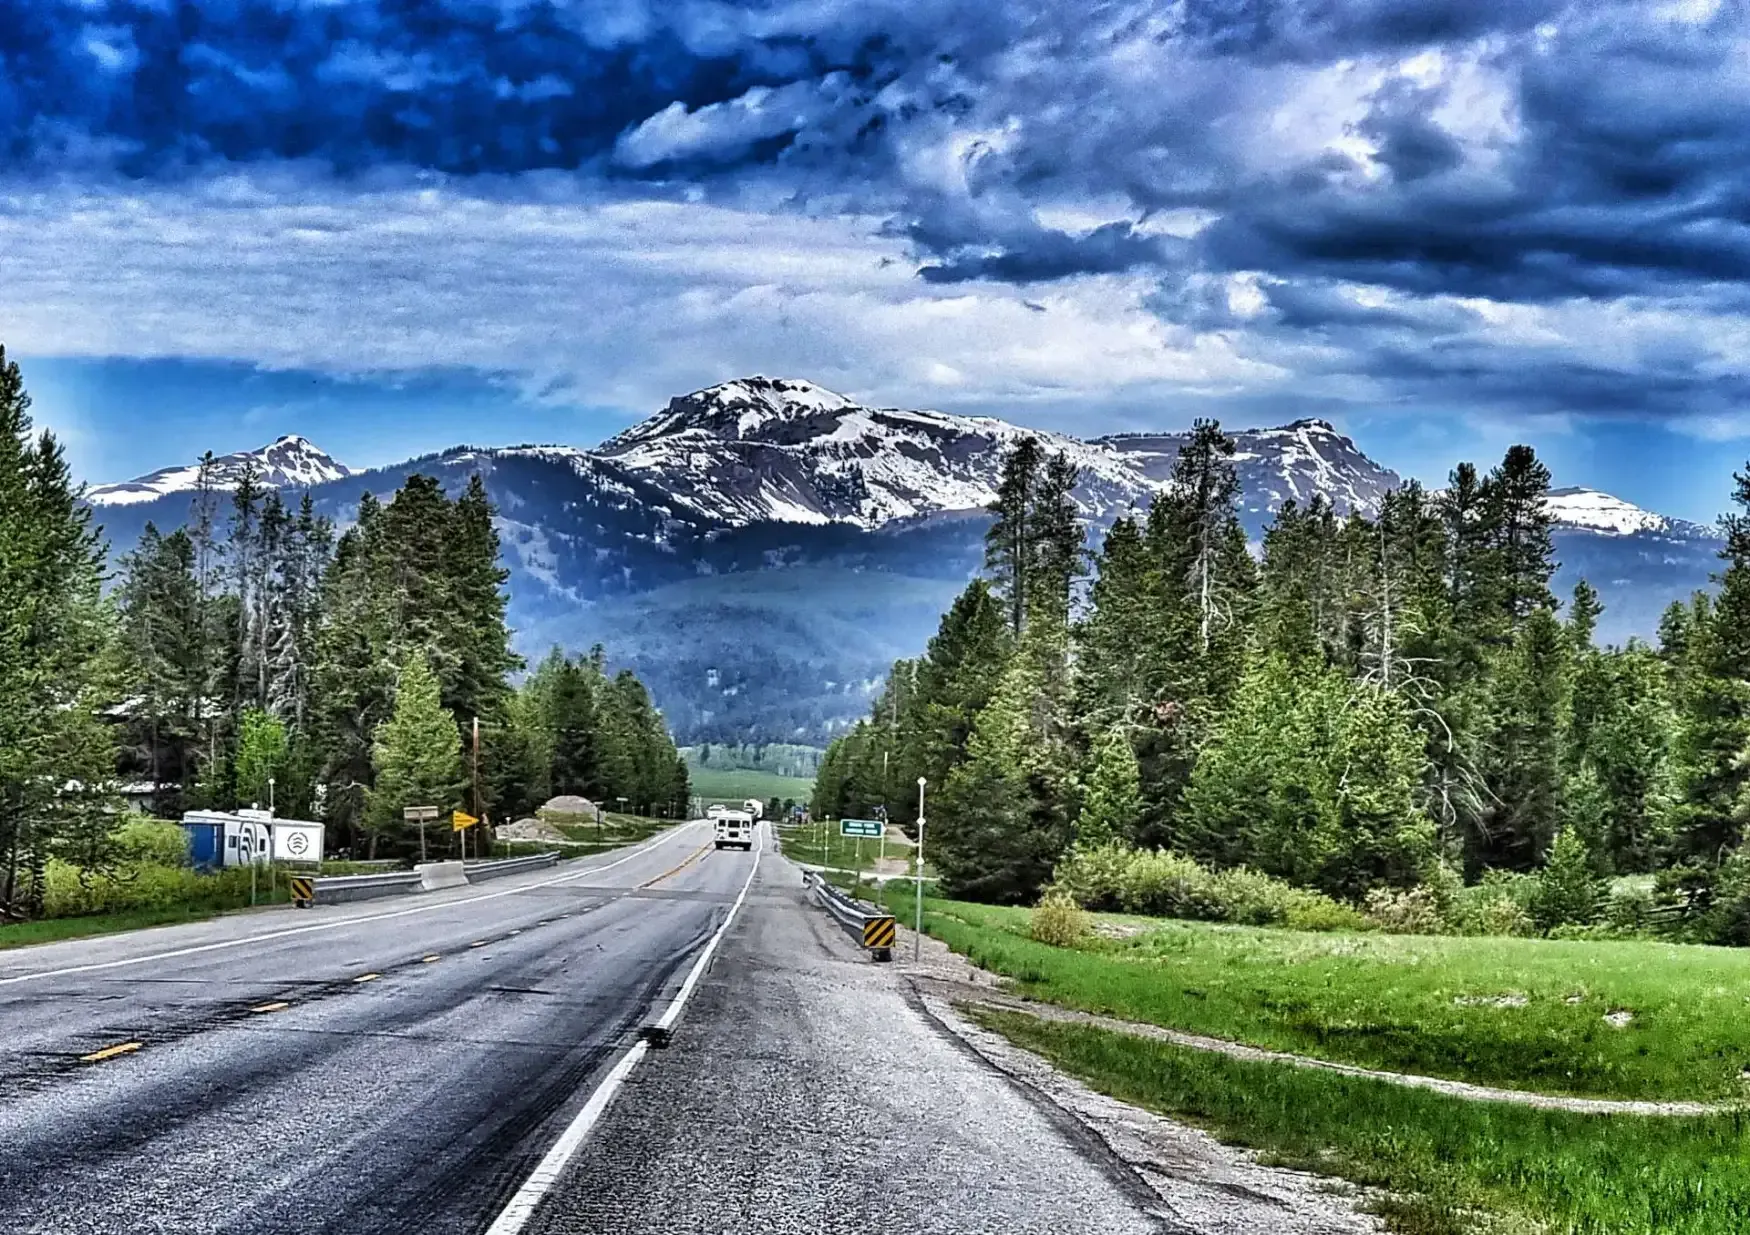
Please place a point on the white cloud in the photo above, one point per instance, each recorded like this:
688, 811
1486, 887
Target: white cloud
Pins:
618, 302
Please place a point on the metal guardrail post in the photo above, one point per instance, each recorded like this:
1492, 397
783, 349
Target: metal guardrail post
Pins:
874, 930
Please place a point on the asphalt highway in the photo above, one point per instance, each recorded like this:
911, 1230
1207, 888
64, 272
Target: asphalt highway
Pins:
391, 1066
411, 1065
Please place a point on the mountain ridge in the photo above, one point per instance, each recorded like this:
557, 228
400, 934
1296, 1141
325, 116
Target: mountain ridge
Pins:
669, 543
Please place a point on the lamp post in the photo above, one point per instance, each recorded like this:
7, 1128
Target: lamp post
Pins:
917, 943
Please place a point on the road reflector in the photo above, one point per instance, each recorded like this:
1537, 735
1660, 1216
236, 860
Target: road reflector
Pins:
110, 1052
367, 977
270, 1007
880, 933
303, 891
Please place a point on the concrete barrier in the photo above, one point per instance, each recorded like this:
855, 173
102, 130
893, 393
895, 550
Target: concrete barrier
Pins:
436, 875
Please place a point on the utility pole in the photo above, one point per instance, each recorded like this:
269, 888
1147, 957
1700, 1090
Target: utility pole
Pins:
917, 943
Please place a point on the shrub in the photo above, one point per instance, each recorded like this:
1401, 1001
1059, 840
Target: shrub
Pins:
1058, 921
1092, 874
1163, 884
1406, 911
151, 842
1499, 905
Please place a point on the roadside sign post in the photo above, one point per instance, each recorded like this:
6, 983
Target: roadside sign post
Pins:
917, 943
420, 815
861, 828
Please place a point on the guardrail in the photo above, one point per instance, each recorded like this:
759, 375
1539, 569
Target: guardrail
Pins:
340, 889
868, 926
490, 869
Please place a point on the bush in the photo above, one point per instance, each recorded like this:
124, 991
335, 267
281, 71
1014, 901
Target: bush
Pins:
1091, 875
69, 892
1406, 911
1058, 921
1163, 884
1499, 905
151, 842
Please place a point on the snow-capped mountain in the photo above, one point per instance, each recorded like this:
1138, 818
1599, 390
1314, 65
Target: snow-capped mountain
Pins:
761, 551
1590, 510
1301, 460
291, 462
764, 449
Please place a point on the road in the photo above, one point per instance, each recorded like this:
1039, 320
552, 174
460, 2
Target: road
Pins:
405, 1065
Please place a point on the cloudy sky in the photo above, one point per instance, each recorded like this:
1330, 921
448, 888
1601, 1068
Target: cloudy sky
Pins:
1445, 225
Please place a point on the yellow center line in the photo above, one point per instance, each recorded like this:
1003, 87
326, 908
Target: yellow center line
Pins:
270, 1007
677, 870
110, 1052
367, 977
479, 943
429, 959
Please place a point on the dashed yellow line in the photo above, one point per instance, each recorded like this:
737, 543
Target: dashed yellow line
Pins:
677, 870
430, 960
479, 943
367, 977
276, 1006
110, 1052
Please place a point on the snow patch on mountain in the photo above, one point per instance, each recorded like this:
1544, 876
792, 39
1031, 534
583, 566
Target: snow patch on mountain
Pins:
291, 462
1591, 510
788, 450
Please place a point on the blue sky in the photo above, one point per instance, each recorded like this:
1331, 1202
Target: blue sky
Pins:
1445, 225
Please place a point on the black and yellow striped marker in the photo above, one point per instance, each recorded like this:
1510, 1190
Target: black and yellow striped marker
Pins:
879, 933
303, 891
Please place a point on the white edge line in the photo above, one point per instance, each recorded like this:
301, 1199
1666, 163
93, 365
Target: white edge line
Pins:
266, 936
521, 1207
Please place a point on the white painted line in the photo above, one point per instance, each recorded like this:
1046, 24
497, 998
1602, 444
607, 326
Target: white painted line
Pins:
515, 1215
266, 936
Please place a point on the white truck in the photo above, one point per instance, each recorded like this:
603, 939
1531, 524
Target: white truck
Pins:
733, 829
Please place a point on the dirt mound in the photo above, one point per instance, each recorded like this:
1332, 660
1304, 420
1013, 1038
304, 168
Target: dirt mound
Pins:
529, 829
569, 804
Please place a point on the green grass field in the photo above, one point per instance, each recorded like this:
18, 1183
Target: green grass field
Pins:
1521, 1013
1443, 1166
739, 784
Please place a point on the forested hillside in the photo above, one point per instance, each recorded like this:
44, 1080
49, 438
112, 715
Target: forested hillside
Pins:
1379, 709
254, 656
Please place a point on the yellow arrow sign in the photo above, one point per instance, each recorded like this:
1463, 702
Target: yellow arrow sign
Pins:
460, 820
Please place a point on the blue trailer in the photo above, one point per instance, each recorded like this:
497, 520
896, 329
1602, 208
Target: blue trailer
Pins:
217, 839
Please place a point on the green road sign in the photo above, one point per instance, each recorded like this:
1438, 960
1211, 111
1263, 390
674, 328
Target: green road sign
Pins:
861, 827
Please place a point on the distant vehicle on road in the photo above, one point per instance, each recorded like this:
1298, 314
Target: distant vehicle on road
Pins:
754, 807
734, 829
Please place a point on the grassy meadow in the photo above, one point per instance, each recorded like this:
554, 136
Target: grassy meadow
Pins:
1440, 1165
739, 784
1608, 1019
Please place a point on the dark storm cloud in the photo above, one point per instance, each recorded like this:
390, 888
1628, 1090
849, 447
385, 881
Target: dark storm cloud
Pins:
1312, 152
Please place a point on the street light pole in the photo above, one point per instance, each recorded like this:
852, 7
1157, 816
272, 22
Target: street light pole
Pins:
917, 943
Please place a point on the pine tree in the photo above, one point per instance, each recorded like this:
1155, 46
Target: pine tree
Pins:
1529, 714
994, 832
1113, 800
1010, 544
417, 757
57, 759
